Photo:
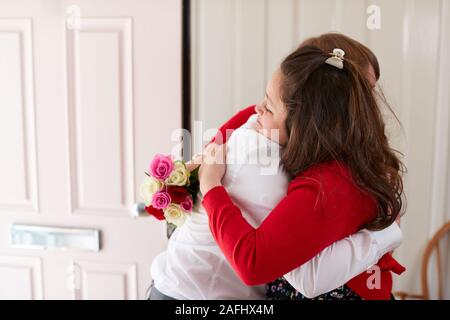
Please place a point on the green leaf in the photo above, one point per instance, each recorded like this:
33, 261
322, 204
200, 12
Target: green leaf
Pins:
194, 174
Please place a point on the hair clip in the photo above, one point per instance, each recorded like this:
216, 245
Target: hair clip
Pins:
337, 59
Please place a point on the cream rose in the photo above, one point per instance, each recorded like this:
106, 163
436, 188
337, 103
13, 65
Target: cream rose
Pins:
180, 175
174, 214
149, 187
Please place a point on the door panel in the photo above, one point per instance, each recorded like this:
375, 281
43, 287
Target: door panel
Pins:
84, 107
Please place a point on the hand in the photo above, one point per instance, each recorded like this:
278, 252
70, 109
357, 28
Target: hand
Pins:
197, 159
213, 167
191, 166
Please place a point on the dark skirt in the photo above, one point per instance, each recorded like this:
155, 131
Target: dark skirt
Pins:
280, 289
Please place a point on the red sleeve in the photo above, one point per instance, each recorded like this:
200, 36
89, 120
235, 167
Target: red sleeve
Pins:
235, 122
298, 228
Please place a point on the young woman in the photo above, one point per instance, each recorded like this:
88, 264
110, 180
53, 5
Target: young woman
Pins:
335, 151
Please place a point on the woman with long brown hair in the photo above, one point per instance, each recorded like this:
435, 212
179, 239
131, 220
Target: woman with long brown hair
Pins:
322, 105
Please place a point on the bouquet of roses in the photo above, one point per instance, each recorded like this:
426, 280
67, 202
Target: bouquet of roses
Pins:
170, 189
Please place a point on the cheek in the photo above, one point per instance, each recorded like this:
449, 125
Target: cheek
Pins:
272, 125
265, 121
280, 128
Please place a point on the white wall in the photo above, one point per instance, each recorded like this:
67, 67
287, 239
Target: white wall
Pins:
239, 43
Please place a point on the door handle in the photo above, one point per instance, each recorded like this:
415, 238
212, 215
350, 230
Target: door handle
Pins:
139, 210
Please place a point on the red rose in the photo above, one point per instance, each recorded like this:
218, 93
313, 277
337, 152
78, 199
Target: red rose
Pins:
187, 204
178, 194
157, 213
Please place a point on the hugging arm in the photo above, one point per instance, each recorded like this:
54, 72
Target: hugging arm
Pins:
295, 231
343, 260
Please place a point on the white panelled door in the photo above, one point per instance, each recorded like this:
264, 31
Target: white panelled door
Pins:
90, 90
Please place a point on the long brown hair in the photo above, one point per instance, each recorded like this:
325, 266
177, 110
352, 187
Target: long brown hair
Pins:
333, 115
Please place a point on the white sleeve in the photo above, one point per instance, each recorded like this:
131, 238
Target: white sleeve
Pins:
343, 260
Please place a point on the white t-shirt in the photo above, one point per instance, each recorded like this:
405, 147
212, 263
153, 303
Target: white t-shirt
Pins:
193, 266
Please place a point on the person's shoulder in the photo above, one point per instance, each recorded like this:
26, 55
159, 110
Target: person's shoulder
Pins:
337, 191
331, 179
243, 116
247, 112
323, 174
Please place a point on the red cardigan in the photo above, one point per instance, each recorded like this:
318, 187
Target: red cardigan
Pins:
318, 210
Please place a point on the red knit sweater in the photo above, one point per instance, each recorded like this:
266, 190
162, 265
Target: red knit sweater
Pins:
322, 206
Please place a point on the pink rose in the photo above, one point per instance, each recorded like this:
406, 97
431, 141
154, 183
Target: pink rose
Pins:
187, 204
161, 167
161, 200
